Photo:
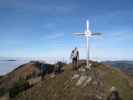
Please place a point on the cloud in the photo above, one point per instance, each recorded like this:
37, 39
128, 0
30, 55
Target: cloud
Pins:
53, 40
38, 6
55, 36
105, 53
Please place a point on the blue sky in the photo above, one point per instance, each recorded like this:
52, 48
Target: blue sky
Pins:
43, 28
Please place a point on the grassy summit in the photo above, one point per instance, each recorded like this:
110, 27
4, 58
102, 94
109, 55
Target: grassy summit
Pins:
63, 87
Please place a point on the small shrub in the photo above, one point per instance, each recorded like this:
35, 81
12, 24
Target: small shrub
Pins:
58, 67
3, 91
20, 86
1, 77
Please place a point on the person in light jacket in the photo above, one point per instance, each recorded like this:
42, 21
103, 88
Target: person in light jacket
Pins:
75, 58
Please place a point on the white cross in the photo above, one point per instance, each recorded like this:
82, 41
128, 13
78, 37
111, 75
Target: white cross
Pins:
88, 34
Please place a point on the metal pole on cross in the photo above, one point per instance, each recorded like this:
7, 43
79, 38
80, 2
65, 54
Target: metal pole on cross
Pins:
88, 34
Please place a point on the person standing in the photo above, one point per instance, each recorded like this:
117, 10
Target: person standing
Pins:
44, 70
75, 58
114, 94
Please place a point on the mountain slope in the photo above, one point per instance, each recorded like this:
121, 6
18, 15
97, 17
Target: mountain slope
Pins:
125, 66
22, 71
64, 87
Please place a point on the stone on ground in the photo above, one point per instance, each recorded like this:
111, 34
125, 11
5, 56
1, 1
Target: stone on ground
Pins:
81, 80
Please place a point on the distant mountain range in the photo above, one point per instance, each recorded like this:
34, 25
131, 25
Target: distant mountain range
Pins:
125, 66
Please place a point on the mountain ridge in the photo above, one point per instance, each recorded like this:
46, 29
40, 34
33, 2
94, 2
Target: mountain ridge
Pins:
62, 86
125, 66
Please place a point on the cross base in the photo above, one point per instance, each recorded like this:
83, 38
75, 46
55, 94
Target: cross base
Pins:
88, 66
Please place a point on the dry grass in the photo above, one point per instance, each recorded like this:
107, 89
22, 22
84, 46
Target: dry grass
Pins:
62, 87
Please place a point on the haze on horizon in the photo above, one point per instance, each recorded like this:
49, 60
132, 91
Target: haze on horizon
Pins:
43, 28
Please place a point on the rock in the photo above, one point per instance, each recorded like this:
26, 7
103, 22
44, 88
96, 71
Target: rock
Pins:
82, 69
88, 67
33, 81
81, 80
75, 76
52, 75
89, 79
95, 83
99, 97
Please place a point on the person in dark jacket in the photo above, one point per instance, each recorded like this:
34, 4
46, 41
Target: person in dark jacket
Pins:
44, 70
114, 95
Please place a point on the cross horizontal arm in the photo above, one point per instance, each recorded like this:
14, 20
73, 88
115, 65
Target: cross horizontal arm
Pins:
96, 33
78, 33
